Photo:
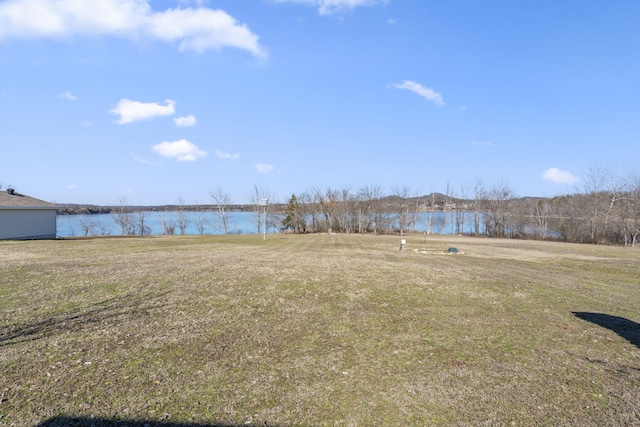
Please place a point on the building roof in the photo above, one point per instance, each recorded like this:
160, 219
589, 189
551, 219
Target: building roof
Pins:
13, 199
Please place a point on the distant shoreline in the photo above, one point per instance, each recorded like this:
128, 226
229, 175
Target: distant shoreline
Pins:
84, 209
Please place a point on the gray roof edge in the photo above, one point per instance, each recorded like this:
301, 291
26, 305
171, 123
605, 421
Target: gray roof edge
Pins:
13, 199
26, 207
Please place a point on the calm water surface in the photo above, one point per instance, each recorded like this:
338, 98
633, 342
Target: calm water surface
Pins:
239, 223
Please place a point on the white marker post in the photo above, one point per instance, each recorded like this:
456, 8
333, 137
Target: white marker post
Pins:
263, 202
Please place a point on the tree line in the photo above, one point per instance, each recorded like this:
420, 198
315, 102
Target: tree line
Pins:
605, 210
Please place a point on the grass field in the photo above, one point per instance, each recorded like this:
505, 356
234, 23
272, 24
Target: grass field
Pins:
318, 330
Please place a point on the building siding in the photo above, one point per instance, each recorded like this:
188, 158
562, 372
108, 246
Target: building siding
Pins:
17, 223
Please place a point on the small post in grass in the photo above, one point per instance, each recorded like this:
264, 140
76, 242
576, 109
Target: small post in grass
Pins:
263, 202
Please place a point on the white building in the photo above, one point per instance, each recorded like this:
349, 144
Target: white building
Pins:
23, 217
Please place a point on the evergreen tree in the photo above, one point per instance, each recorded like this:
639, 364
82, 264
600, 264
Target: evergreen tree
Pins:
292, 219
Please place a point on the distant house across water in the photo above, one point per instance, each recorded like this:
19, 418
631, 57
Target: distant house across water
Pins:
23, 217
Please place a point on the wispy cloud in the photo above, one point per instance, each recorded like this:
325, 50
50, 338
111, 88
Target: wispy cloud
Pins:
226, 156
425, 92
87, 123
482, 144
264, 168
331, 7
559, 176
185, 121
182, 150
71, 186
193, 2
4, 95
141, 160
132, 111
195, 29
67, 95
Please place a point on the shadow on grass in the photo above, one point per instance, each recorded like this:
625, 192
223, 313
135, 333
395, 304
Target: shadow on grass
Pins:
62, 421
103, 311
626, 328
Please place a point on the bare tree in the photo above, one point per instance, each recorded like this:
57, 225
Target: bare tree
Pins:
441, 223
568, 220
182, 218
479, 196
618, 192
168, 225
597, 213
417, 207
430, 206
497, 210
365, 208
460, 212
275, 216
630, 213
222, 200
328, 201
374, 218
255, 199
516, 219
401, 208
308, 213
200, 220
103, 230
141, 227
344, 216
595, 182
123, 217
542, 214
88, 227
449, 204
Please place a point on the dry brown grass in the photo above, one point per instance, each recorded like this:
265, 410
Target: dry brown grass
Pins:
319, 330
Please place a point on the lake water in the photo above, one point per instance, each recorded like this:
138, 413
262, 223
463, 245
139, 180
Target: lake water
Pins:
104, 224
239, 223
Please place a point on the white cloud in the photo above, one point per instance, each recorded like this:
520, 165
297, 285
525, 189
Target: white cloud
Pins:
226, 156
182, 150
425, 92
87, 123
330, 7
559, 176
264, 168
185, 121
71, 186
196, 29
132, 111
482, 144
67, 95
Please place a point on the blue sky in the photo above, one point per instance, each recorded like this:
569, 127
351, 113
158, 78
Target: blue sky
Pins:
153, 101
